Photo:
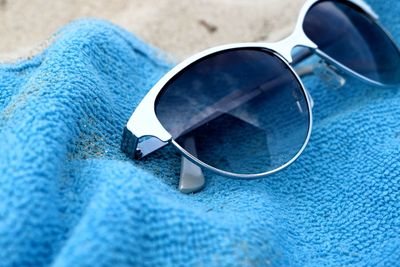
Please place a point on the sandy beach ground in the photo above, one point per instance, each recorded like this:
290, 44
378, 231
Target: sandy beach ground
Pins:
179, 27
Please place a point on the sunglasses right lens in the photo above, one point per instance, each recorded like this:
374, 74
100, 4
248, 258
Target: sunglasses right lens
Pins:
348, 35
241, 111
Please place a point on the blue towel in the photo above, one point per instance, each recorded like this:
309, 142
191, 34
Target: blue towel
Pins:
70, 197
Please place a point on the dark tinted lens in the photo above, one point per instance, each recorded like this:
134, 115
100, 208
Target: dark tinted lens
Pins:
244, 109
345, 33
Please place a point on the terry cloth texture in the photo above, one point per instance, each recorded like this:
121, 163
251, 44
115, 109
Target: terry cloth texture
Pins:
70, 197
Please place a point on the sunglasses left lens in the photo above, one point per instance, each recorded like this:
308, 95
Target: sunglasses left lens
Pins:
242, 111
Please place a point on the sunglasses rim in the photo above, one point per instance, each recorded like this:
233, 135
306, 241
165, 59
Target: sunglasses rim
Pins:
144, 121
306, 95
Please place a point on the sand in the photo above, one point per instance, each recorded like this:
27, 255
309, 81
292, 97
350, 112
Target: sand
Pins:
179, 27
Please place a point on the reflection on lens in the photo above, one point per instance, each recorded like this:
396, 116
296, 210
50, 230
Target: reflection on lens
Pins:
345, 33
244, 108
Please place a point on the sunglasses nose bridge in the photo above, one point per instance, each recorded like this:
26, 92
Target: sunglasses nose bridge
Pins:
286, 46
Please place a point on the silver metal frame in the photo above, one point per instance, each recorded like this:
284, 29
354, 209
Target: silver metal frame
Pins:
144, 122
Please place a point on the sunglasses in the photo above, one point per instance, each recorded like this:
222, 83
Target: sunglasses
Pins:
241, 110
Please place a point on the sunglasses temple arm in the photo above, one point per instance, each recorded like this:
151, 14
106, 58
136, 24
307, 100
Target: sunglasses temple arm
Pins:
191, 178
